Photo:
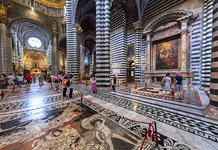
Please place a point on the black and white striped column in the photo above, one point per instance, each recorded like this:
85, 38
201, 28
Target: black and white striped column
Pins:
138, 48
103, 43
72, 37
206, 44
214, 59
212, 110
118, 42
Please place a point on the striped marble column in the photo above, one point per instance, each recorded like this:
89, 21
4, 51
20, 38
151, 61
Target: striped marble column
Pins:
3, 41
103, 43
73, 53
212, 110
73, 47
2, 48
206, 44
138, 48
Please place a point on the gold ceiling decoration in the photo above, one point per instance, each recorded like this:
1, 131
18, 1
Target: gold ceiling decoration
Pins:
60, 3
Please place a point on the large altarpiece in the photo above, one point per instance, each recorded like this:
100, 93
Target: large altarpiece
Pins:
166, 54
168, 45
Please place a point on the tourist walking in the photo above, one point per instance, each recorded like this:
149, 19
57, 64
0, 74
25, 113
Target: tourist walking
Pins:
20, 80
178, 86
11, 81
28, 78
3, 85
64, 83
93, 84
34, 78
166, 81
114, 83
41, 79
71, 80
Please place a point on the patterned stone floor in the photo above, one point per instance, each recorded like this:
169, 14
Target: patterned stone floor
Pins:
38, 118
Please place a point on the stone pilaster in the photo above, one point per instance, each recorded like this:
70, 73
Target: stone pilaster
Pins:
138, 47
184, 44
211, 111
103, 43
148, 52
82, 65
54, 52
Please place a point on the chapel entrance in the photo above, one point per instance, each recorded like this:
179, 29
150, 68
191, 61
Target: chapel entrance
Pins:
35, 62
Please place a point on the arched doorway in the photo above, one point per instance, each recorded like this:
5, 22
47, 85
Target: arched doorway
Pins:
35, 62
32, 47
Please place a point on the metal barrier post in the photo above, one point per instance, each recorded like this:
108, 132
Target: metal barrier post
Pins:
155, 132
81, 99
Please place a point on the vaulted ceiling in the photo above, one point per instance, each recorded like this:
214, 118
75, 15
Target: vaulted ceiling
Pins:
26, 30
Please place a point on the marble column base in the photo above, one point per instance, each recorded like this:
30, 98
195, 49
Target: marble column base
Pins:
211, 112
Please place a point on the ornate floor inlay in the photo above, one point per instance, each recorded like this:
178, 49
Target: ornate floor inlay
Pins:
70, 127
50, 122
195, 126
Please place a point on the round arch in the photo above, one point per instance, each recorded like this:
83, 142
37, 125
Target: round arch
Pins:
176, 16
10, 23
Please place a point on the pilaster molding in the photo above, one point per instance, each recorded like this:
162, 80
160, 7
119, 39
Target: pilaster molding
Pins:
138, 24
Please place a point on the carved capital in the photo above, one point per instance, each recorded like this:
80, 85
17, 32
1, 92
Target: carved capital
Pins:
3, 14
3, 10
148, 37
137, 24
184, 26
54, 28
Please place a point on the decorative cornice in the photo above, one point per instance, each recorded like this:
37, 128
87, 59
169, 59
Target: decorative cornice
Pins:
167, 17
54, 28
3, 14
52, 4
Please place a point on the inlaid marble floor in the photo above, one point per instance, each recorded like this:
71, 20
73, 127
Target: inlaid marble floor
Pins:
38, 118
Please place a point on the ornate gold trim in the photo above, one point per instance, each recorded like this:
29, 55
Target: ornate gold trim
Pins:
3, 10
52, 4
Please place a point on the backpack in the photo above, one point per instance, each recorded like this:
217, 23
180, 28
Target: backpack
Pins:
68, 83
64, 82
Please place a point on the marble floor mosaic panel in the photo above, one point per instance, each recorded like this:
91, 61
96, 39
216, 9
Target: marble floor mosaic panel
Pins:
69, 127
201, 127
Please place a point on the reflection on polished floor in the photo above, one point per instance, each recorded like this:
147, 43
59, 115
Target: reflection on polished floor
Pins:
37, 118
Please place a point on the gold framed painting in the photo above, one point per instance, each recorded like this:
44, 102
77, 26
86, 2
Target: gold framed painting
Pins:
166, 54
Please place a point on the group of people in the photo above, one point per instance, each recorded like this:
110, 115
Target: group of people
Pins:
12, 81
173, 86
